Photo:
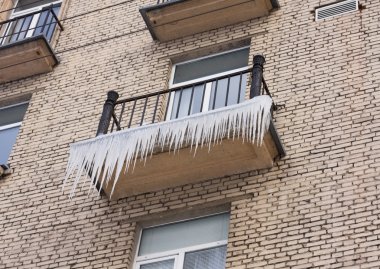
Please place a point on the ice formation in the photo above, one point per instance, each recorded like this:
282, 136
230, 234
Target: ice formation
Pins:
101, 156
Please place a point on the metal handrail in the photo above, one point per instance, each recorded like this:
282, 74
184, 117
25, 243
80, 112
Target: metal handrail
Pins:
248, 70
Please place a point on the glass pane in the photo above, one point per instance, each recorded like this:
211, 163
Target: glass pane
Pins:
211, 65
196, 104
236, 87
26, 4
184, 234
12, 114
7, 140
214, 258
167, 264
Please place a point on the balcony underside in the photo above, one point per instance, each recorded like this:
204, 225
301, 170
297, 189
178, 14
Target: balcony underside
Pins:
179, 18
26, 58
165, 170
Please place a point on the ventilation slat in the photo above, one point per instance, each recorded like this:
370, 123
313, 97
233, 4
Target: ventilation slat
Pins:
337, 9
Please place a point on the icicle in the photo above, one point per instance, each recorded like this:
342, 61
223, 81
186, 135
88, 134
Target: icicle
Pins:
100, 157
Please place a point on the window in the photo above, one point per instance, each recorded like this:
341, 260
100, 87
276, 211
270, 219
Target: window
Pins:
10, 122
193, 244
207, 83
24, 26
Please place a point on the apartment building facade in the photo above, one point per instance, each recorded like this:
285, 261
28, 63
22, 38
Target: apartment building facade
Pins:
189, 134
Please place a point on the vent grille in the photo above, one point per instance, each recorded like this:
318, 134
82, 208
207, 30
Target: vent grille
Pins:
337, 9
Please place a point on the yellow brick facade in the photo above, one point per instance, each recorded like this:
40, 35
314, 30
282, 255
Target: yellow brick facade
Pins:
317, 208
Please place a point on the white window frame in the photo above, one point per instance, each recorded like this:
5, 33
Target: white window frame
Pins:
15, 124
208, 87
8, 126
35, 19
144, 262
177, 254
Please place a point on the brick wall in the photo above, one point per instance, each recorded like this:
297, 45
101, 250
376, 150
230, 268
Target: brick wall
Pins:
317, 208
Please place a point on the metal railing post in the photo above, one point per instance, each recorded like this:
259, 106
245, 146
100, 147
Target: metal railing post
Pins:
257, 75
108, 109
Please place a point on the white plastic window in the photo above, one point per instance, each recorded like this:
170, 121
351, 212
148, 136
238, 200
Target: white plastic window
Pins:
10, 122
219, 88
193, 244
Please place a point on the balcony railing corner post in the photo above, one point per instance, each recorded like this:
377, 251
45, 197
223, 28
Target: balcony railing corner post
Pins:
108, 109
257, 75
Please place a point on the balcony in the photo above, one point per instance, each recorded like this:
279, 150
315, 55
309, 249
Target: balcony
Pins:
172, 19
156, 141
24, 45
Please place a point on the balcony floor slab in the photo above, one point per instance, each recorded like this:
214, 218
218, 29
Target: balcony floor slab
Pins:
164, 170
178, 18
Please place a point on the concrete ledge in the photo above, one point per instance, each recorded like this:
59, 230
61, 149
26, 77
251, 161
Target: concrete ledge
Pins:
179, 18
26, 58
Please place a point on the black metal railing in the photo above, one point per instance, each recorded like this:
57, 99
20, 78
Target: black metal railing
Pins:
182, 101
42, 22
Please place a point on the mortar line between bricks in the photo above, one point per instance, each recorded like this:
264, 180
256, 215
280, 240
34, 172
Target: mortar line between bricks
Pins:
101, 41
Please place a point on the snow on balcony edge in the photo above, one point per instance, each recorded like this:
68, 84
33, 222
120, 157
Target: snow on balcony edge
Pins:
101, 156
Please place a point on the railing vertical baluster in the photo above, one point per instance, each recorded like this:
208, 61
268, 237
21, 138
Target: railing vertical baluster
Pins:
56, 19
179, 103
121, 113
167, 105
155, 108
2, 36
216, 89
22, 26
191, 101
228, 91
143, 113
239, 92
113, 124
45, 21
50, 24
203, 95
27, 29
133, 111
1, 27
6, 34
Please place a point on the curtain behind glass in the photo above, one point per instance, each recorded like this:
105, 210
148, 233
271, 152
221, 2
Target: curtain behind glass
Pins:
184, 234
211, 66
213, 258
12, 114
167, 264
